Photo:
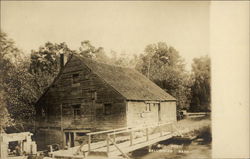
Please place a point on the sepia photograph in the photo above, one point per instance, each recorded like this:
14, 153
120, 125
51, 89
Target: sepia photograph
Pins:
106, 79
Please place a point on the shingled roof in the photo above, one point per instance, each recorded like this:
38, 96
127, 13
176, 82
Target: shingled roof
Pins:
128, 82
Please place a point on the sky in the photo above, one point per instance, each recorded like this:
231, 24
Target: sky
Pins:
122, 26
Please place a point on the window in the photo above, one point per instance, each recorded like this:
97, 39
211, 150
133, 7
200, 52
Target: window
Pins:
76, 91
76, 111
148, 107
43, 112
86, 77
93, 95
107, 109
76, 78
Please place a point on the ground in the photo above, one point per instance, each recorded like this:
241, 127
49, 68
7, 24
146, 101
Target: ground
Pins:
198, 148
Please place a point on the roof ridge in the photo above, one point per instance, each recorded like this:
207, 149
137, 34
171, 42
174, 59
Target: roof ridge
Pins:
100, 62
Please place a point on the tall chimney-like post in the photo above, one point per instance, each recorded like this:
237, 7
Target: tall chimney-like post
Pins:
61, 61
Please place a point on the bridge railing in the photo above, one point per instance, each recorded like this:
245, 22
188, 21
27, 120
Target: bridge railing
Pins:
105, 132
121, 133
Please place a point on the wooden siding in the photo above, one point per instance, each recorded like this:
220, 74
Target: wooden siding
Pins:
168, 111
137, 114
63, 94
88, 93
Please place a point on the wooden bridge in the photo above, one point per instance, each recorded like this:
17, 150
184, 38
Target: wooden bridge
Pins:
119, 142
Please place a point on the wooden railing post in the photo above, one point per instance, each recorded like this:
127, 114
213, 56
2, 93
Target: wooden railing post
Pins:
114, 137
172, 128
146, 134
131, 138
124, 154
107, 143
89, 142
160, 130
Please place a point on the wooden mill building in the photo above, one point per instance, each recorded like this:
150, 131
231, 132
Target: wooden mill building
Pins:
88, 96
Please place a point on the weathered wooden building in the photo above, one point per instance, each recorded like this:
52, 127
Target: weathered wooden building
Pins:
89, 96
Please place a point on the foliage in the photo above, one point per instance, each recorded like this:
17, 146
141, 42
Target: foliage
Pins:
88, 50
9, 52
23, 80
5, 119
123, 60
45, 64
17, 94
164, 66
200, 88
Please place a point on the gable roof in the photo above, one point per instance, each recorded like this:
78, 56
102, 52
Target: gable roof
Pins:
131, 84
128, 82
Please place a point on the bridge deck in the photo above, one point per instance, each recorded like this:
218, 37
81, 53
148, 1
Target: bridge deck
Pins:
111, 149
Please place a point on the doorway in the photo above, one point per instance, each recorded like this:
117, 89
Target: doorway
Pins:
74, 138
70, 137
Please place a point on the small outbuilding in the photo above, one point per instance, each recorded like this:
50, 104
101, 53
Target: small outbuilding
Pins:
89, 96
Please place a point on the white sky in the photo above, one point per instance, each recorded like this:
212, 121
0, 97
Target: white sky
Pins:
125, 27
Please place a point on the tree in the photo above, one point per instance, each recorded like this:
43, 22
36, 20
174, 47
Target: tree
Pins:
200, 88
164, 66
45, 64
5, 119
123, 60
16, 92
88, 50
9, 52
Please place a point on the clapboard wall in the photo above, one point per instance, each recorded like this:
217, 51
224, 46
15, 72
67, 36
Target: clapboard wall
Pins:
55, 108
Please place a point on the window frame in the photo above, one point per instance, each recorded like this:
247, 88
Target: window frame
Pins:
75, 79
107, 106
43, 112
93, 95
76, 111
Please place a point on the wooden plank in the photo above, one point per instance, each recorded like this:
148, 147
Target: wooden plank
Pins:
76, 130
89, 142
107, 144
131, 138
142, 127
124, 154
147, 134
127, 143
107, 131
139, 145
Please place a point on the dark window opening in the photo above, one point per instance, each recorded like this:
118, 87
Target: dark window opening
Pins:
93, 95
76, 78
76, 111
43, 112
107, 109
80, 134
14, 148
86, 77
